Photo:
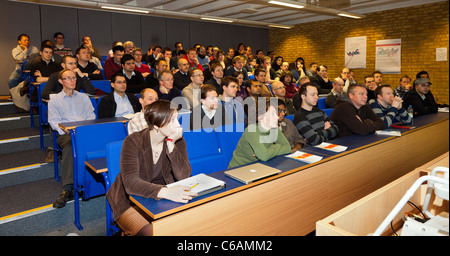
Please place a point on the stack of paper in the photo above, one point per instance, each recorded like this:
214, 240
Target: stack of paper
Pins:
304, 157
389, 132
201, 184
331, 147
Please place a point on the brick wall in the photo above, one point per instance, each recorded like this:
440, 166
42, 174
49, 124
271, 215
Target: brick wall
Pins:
422, 29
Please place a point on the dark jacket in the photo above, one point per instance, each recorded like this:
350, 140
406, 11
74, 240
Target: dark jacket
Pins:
322, 86
136, 170
420, 106
136, 83
107, 106
180, 81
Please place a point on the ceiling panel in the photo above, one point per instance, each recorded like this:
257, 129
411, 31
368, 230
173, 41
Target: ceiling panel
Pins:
260, 13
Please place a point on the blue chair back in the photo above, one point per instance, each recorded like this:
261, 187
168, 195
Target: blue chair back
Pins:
228, 137
290, 117
104, 85
90, 143
43, 118
328, 111
94, 102
321, 103
113, 151
204, 153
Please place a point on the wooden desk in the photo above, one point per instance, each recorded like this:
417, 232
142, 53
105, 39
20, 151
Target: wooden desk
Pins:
292, 202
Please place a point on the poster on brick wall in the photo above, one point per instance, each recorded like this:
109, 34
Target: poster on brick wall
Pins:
388, 55
355, 52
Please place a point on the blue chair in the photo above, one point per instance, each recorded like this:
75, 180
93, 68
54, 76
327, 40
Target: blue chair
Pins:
32, 103
321, 103
104, 85
328, 111
113, 151
290, 117
228, 137
322, 106
94, 102
43, 118
89, 142
204, 153
104, 57
56, 149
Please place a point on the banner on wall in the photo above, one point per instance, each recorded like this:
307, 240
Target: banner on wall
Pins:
388, 55
355, 52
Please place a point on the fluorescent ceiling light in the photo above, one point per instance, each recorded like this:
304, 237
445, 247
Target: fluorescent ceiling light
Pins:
216, 19
280, 26
349, 15
287, 4
123, 9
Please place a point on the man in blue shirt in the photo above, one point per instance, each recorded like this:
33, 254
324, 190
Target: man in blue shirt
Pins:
67, 106
119, 102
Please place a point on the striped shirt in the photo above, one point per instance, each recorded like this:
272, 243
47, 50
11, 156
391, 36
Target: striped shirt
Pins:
310, 124
390, 114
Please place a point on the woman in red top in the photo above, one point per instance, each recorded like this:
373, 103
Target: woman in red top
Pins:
291, 88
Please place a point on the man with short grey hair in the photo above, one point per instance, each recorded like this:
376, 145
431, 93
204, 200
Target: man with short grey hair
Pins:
335, 93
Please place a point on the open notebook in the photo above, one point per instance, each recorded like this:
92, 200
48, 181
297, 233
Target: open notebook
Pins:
201, 184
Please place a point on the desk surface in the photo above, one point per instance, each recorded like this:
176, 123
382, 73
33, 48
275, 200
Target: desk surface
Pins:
161, 208
73, 125
98, 165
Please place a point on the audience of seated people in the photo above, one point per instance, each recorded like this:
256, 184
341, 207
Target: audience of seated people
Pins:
225, 97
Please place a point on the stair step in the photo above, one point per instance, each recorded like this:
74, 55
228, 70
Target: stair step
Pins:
27, 210
25, 174
28, 188
48, 221
21, 139
7, 106
14, 121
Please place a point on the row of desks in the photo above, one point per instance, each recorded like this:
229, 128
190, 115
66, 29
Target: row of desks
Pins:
291, 202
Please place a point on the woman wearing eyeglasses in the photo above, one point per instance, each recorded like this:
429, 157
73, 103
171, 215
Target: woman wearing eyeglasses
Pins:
288, 128
262, 140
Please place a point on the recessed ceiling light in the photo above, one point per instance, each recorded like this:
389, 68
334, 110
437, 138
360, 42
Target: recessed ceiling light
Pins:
123, 9
287, 4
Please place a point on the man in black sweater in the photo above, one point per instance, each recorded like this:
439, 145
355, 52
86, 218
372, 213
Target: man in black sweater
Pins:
134, 78
181, 78
352, 115
420, 98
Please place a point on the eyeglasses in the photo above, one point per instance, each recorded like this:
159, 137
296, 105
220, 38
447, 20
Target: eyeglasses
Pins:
281, 111
69, 78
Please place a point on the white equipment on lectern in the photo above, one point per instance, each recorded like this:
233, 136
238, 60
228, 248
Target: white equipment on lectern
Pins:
435, 225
